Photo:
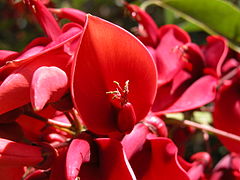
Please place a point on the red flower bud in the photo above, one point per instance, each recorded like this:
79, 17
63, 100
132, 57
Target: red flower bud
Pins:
126, 118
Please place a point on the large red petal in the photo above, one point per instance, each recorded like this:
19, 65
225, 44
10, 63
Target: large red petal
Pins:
108, 53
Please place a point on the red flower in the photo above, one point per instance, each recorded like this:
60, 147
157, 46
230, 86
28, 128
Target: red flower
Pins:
227, 113
227, 168
23, 75
114, 78
15, 154
108, 161
183, 69
162, 43
152, 157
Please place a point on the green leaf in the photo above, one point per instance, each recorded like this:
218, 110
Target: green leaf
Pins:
178, 116
202, 117
169, 16
189, 27
213, 16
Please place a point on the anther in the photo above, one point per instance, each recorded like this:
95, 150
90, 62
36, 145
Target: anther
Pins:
120, 93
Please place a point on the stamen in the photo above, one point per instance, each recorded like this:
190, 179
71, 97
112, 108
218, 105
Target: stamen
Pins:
34, 9
181, 51
120, 93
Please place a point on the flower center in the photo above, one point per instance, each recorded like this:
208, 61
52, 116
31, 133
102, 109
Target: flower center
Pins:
120, 93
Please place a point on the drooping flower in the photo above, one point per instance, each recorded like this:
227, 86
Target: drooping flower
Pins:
151, 156
22, 73
183, 68
227, 113
227, 168
107, 161
162, 43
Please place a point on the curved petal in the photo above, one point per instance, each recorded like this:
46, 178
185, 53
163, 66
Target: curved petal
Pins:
195, 58
227, 168
146, 21
45, 18
68, 37
48, 84
215, 52
168, 57
108, 54
158, 160
15, 89
74, 15
193, 97
78, 152
134, 141
33, 48
170, 92
5, 54
229, 65
17, 154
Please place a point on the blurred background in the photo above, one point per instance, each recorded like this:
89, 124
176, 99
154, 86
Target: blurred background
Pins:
18, 27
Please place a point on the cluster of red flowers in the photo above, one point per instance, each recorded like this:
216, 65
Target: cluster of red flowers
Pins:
89, 100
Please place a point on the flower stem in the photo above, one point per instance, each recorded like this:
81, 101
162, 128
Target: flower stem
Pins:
77, 121
59, 125
204, 127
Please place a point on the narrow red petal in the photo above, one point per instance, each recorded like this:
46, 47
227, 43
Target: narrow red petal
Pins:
45, 18
18, 154
78, 152
193, 97
146, 21
215, 52
74, 15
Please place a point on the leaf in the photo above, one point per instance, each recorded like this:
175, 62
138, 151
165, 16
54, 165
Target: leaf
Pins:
189, 27
202, 117
169, 16
215, 16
